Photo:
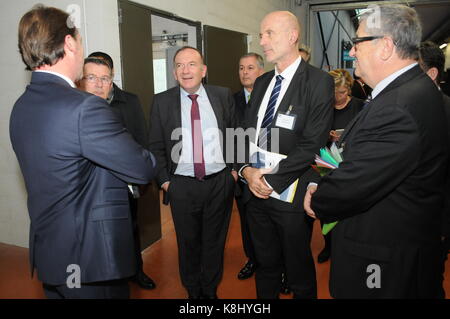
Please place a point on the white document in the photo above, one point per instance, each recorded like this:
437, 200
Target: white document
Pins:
270, 160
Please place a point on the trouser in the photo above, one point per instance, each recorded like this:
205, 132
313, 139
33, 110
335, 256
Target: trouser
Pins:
114, 289
249, 250
201, 213
137, 239
282, 243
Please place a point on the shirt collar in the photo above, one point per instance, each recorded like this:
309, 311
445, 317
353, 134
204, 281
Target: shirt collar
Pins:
386, 81
246, 94
200, 92
289, 72
65, 78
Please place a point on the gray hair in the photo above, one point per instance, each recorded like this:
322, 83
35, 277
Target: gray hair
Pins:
259, 59
399, 22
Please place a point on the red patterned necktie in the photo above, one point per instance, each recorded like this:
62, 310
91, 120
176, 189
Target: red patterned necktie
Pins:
197, 139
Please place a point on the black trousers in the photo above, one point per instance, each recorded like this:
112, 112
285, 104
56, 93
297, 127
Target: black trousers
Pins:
282, 243
115, 289
201, 213
137, 239
247, 243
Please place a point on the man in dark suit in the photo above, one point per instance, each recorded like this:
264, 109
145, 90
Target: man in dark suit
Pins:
185, 127
76, 159
388, 193
432, 61
98, 79
251, 66
295, 102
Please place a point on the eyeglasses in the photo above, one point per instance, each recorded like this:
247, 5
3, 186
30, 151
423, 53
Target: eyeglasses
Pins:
93, 79
363, 39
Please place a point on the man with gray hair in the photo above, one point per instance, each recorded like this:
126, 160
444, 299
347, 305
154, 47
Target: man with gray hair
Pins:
387, 194
251, 66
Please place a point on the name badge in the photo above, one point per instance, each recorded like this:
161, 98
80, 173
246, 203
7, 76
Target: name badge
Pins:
286, 120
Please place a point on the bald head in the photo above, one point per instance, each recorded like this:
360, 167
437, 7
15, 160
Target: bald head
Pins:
280, 35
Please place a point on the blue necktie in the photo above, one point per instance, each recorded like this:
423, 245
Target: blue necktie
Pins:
264, 133
367, 101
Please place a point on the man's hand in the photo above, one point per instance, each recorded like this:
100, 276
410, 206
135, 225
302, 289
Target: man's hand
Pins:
256, 183
165, 186
334, 136
235, 175
307, 201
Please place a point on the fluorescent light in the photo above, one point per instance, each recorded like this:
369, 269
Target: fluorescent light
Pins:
443, 45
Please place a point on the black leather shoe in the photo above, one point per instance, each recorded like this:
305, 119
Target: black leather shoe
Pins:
210, 296
323, 256
285, 290
144, 281
195, 297
247, 271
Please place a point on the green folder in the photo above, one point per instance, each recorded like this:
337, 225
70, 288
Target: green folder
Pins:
326, 156
328, 227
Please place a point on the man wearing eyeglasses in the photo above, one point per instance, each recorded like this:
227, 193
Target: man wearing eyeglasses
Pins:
98, 80
387, 194
97, 77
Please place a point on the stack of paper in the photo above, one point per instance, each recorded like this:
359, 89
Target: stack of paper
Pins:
329, 159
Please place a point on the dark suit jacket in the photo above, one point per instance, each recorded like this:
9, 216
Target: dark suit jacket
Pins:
129, 110
76, 158
311, 93
446, 216
388, 193
241, 107
165, 117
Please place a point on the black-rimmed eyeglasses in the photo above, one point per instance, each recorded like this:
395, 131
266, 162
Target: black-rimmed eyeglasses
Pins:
363, 39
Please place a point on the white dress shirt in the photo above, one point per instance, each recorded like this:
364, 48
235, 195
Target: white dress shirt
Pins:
212, 151
388, 80
65, 78
247, 95
287, 75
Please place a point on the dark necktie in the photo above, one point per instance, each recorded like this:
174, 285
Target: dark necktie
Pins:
197, 139
367, 101
264, 134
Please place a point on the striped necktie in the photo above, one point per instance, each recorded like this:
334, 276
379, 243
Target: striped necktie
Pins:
264, 134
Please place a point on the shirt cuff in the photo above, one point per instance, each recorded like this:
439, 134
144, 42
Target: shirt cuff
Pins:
240, 171
269, 186
164, 184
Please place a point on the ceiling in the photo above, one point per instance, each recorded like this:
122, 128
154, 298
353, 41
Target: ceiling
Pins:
434, 14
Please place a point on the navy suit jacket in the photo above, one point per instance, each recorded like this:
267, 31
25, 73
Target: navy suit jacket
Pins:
76, 159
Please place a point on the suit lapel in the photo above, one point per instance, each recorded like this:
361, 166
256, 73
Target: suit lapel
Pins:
352, 123
403, 78
257, 97
216, 106
295, 86
175, 101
